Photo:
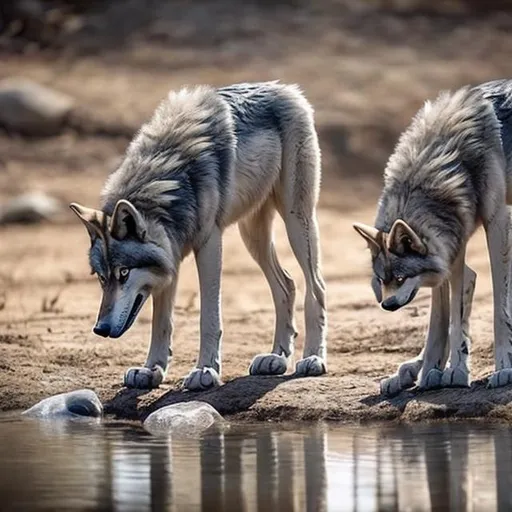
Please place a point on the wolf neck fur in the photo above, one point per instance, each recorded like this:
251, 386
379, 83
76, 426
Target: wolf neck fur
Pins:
437, 222
171, 161
427, 183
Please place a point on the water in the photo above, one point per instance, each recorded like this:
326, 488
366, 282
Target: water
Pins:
56, 465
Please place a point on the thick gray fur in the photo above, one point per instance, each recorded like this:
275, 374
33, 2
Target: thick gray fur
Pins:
209, 158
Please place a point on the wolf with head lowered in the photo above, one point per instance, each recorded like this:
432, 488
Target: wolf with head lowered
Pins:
450, 173
209, 158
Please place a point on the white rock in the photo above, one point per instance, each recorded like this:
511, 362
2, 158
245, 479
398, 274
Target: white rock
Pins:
32, 109
187, 419
83, 402
29, 207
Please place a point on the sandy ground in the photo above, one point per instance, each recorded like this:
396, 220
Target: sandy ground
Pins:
365, 85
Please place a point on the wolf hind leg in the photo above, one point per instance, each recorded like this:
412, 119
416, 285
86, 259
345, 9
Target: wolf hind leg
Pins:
256, 232
297, 200
303, 236
499, 243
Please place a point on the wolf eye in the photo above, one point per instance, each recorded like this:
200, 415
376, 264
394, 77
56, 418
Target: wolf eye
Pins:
102, 279
123, 274
400, 279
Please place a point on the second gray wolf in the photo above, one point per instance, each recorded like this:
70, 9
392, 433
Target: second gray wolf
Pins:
450, 173
209, 158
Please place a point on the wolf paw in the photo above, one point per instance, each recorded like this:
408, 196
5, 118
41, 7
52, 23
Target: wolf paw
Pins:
202, 379
455, 378
144, 378
268, 364
500, 378
391, 386
405, 378
311, 366
448, 378
432, 380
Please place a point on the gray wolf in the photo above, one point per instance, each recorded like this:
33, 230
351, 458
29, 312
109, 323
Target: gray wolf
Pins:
450, 173
206, 159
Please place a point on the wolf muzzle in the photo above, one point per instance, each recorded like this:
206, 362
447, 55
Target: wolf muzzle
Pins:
102, 329
392, 303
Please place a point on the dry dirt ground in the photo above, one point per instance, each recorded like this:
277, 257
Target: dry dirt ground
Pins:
366, 73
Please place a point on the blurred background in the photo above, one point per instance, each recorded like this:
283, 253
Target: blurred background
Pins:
78, 77
366, 65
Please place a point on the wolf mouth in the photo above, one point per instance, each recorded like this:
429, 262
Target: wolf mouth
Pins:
412, 296
133, 312
396, 305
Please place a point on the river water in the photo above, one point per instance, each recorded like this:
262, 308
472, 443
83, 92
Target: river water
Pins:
57, 465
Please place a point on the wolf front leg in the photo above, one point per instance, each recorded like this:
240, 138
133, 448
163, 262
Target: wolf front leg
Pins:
498, 241
457, 374
433, 356
209, 266
154, 370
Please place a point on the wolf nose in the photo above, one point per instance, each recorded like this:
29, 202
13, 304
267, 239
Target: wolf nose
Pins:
102, 329
390, 304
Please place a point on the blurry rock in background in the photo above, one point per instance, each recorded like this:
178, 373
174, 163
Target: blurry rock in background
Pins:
31, 207
32, 109
39, 22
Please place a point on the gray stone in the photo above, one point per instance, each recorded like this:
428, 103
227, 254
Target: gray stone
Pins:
186, 419
28, 208
83, 402
32, 109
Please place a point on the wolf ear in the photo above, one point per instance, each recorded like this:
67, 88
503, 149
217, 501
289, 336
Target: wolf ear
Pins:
93, 220
127, 221
371, 235
402, 237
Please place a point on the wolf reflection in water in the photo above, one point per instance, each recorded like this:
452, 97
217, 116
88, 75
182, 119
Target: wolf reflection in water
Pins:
440, 467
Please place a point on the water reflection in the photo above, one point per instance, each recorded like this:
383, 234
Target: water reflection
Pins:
254, 467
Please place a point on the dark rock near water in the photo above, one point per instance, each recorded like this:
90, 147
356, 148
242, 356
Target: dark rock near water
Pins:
83, 402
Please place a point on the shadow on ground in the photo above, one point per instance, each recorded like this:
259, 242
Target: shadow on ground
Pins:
322, 398
236, 396
456, 403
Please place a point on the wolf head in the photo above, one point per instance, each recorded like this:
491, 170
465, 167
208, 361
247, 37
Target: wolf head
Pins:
401, 264
130, 260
